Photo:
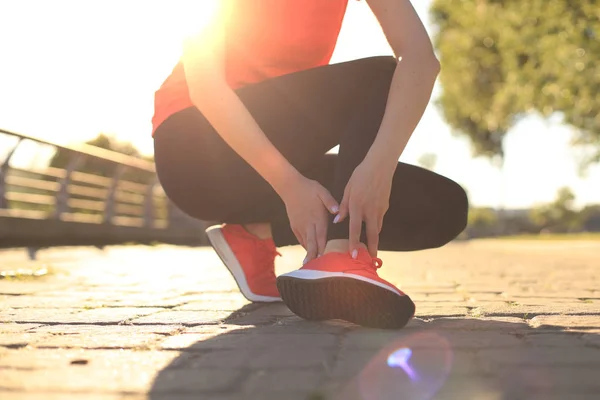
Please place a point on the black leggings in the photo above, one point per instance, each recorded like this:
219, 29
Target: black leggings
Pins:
305, 114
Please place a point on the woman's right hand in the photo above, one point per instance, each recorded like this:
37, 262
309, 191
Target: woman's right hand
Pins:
308, 203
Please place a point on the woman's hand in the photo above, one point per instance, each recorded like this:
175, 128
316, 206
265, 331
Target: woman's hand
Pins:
366, 198
308, 204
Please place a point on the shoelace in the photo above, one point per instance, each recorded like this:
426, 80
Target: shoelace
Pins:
375, 264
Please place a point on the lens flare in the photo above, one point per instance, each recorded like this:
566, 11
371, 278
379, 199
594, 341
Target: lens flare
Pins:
413, 366
400, 359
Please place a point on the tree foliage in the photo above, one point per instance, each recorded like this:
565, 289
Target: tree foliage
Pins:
503, 59
107, 142
98, 167
428, 161
558, 216
590, 217
482, 222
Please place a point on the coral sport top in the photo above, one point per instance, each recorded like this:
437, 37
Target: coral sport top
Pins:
265, 39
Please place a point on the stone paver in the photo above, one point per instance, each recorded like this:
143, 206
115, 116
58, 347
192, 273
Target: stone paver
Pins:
565, 321
495, 320
68, 396
94, 329
11, 328
184, 317
282, 381
206, 341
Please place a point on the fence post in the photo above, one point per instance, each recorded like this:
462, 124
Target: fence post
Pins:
111, 201
149, 203
62, 197
175, 216
4, 172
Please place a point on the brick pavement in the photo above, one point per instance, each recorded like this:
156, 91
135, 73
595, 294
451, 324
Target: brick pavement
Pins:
495, 320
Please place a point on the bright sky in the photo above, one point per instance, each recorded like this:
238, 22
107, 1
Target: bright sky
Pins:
71, 69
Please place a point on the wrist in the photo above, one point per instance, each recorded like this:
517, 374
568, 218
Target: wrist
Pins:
381, 164
284, 180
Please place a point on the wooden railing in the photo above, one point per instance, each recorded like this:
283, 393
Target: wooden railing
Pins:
126, 193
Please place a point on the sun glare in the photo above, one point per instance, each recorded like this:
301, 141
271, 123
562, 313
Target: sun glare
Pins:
194, 16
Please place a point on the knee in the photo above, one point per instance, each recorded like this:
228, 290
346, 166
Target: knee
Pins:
198, 210
200, 204
384, 63
386, 66
460, 211
454, 214
380, 67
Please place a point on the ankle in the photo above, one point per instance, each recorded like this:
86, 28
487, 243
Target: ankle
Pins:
260, 230
340, 246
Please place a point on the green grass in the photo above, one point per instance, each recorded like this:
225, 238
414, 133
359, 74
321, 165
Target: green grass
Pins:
555, 236
475, 312
25, 274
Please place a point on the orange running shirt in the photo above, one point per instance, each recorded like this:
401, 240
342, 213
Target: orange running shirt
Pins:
265, 39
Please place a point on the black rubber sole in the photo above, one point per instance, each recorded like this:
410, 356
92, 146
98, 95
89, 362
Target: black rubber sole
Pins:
352, 300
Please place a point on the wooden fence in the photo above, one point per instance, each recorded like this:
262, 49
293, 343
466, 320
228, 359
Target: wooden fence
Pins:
63, 205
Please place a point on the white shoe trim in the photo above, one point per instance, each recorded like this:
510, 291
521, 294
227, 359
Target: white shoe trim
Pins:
313, 274
215, 235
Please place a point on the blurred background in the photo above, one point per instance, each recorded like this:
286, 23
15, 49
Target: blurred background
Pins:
514, 116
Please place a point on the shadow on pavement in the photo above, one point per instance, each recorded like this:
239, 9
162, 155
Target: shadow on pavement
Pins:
265, 352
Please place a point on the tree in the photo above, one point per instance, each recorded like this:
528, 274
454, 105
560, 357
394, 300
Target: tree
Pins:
61, 159
482, 222
590, 218
502, 60
107, 142
428, 160
558, 216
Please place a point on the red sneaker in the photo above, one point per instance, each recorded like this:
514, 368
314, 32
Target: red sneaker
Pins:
335, 286
250, 260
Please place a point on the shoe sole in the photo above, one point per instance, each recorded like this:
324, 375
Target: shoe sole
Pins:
345, 298
227, 256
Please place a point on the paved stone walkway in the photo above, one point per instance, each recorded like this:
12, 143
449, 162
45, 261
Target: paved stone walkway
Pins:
495, 320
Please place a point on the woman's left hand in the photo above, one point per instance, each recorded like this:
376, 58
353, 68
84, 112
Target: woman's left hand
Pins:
366, 199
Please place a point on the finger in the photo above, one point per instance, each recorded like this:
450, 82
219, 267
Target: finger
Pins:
300, 238
372, 236
343, 213
311, 244
354, 234
330, 203
321, 230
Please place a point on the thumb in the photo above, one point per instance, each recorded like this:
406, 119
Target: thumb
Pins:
329, 202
